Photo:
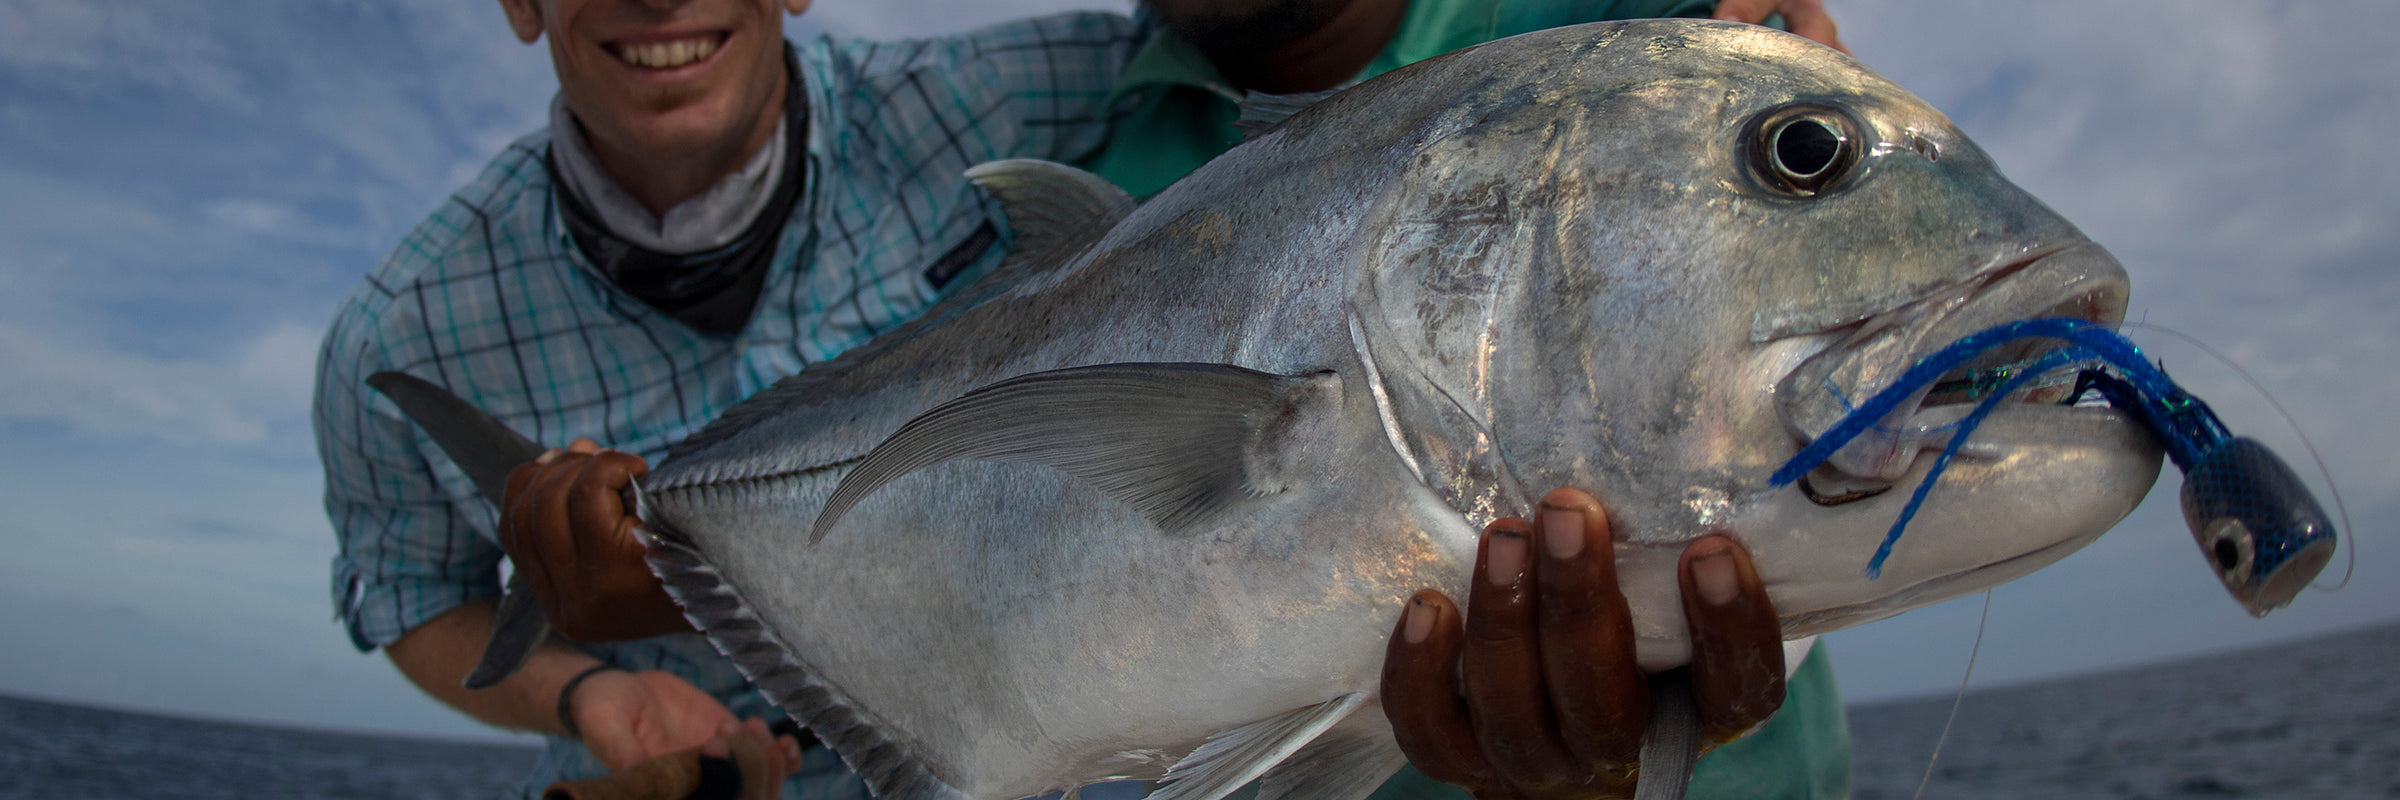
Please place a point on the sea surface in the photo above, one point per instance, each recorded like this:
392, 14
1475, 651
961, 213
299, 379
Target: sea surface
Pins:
2314, 719
49, 750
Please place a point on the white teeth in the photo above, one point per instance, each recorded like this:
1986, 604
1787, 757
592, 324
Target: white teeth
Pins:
667, 55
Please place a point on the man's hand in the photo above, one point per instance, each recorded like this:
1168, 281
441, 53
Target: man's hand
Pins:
566, 528
1553, 704
1803, 17
630, 717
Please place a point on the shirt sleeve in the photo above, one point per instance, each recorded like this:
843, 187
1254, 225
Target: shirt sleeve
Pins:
1033, 88
408, 551
1059, 72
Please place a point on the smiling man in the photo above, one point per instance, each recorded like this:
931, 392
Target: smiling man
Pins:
710, 209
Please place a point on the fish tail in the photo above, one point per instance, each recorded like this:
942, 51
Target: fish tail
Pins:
487, 451
482, 447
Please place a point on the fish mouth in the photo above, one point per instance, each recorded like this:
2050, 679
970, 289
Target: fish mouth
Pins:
2078, 281
1931, 590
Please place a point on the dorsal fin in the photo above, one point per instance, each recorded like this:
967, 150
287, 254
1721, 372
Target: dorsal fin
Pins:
1261, 111
1176, 441
1051, 207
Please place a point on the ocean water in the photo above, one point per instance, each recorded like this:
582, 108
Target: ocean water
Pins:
49, 750
2315, 719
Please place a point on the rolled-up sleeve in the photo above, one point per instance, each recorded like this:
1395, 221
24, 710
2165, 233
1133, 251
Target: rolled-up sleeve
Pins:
408, 551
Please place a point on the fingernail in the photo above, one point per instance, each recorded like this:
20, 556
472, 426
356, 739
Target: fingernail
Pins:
1504, 557
1714, 575
1562, 532
1416, 622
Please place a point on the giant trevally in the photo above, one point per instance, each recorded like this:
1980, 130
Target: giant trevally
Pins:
1146, 501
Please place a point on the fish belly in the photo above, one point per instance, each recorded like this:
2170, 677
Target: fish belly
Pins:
1024, 633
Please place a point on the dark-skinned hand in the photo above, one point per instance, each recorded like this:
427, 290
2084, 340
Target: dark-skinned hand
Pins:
1547, 701
565, 526
1805, 18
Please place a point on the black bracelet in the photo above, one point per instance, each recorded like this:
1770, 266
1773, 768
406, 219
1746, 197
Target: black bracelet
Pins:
566, 710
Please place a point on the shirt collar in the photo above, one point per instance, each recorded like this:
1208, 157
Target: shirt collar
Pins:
1168, 59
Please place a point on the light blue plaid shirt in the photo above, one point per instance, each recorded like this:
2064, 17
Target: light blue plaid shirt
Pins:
490, 298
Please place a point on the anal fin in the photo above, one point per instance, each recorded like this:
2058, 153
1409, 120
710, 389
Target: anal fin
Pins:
1238, 756
1335, 767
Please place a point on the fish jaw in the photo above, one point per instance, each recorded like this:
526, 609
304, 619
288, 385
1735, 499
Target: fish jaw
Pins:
2038, 483
2034, 482
2078, 280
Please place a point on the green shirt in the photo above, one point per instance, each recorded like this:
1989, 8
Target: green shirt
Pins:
1184, 117
1186, 109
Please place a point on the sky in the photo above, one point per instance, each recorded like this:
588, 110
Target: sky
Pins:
187, 189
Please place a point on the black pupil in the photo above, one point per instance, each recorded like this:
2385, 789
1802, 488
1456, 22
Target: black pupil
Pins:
2227, 554
1806, 147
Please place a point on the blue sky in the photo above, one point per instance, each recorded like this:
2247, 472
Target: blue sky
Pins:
186, 189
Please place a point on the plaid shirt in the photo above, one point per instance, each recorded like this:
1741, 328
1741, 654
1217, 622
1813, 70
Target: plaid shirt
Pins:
490, 298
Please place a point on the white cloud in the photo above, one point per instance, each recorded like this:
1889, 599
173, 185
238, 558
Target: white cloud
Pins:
263, 383
105, 46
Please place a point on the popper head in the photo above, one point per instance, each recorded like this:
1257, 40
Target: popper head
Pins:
2257, 523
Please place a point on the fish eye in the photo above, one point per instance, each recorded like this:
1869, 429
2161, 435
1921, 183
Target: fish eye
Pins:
1804, 149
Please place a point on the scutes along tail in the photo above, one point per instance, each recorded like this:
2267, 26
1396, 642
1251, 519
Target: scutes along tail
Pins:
712, 605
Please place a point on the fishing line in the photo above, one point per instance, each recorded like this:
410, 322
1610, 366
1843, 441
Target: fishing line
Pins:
2349, 536
1943, 739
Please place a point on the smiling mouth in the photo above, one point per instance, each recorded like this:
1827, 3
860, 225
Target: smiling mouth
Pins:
668, 54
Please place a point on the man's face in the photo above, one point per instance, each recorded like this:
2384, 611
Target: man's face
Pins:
663, 79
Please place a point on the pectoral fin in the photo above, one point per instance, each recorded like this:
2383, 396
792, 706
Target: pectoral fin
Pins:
1178, 442
1238, 756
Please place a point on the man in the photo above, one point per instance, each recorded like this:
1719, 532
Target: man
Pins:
632, 309
709, 210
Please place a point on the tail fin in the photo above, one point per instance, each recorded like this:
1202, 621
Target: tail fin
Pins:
486, 450
480, 445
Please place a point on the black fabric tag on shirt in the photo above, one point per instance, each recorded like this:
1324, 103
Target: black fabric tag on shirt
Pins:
961, 257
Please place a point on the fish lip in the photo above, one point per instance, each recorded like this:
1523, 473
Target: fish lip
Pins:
2071, 279
1833, 618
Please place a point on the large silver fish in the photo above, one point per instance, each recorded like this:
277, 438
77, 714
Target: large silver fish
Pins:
1146, 502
